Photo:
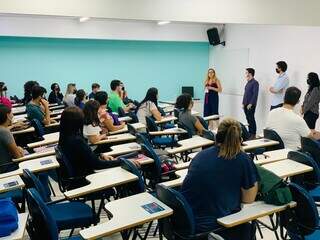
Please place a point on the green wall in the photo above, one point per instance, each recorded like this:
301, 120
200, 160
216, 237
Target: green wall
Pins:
139, 64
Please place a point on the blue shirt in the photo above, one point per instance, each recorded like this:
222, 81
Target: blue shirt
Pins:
251, 92
281, 83
213, 185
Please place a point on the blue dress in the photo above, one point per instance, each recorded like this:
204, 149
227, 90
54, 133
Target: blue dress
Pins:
211, 102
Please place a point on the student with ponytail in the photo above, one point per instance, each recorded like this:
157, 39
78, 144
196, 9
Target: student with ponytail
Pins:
219, 179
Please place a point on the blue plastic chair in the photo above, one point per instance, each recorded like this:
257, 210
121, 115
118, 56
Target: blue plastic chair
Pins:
38, 127
301, 222
310, 180
273, 135
137, 186
41, 224
311, 146
68, 215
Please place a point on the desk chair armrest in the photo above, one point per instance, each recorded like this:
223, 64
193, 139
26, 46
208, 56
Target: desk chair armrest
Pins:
57, 201
129, 155
162, 133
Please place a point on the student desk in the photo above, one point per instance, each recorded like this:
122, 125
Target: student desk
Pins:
105, 179
123, 149
251, 212
191, 143
181, 174
117, 138
136, 126
258, 143
56, 112
192, 155
35, 165
169, 131
21, 117
23, 131
165, 105
48, 152
125, 119
5, 183
55, 107
48, 139
19, 110
19, 232
287, 168
127, 214
212, 117
17, 105
166, 119
273, 156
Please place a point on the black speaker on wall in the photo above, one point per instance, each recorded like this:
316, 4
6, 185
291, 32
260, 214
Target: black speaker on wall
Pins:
214, 38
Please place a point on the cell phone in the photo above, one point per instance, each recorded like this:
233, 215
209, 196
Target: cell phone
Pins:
45, 162
10, 184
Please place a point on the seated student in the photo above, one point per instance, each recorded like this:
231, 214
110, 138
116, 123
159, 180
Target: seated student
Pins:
115, 101
289, 125
80, 99
91, 128
219, 179
3, 99
38, 108
55, 96
75, 147
70, 95
148, 106
184, 103
95, 88
28, 91
8, 148
106, 120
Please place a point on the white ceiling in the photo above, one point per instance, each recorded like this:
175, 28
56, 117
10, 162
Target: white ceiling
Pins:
285, 12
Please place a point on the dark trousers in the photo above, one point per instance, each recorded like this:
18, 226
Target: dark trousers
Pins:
311, 119
242, 232
276, 106
250, 119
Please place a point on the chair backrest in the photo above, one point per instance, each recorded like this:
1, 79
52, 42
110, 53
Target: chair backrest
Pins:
38, 127
307, 180
43, 225
153, 172
182, 221
312, 147
134, 118
208, 135
203, 122
137, 186
186, 135
31, 181
176, 112
151, 124
245, 133
161, 111
131, 129
273, 135
142, 139
304, 218
121, 112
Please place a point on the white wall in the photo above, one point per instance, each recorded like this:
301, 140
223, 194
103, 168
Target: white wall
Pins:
291, 12
63, 27
298, 46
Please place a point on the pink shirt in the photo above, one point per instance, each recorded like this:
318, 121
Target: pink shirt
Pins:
5, 101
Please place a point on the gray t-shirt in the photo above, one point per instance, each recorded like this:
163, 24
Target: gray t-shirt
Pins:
6, 138
187, 119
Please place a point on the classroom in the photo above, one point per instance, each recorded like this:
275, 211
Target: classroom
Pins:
162, 119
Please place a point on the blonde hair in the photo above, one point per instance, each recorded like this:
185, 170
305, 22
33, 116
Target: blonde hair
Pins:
70, 88
229, 138
208, 78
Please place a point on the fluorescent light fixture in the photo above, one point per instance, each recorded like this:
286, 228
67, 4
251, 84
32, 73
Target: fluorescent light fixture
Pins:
84, 19
163, 22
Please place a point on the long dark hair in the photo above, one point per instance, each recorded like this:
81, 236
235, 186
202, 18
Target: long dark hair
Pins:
28, 91
150, 96
4, 111
71, 123
183, 102
313, 81
80, 95
90, 112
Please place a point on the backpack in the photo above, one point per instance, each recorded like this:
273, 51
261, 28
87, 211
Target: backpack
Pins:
272, 189
8, 217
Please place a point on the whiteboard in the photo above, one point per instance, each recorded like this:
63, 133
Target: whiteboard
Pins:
230, 65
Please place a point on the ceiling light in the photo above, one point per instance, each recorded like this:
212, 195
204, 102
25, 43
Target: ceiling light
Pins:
163, 22
83, 19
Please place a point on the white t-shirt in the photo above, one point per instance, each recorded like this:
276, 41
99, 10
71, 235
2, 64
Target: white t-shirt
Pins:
289, 125
69, 99
145, 110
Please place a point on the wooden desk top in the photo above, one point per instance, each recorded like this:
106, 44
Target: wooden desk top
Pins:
143, 160
50, 151
56, 112
117, 138
272, 156
191, 143
192, 155
18, 234
287, 168
108, 178
19, 110
166, 119
181, 174
125, 119
212, 117
251, 212
12, 179
48, 139
27, 130
169, 131
125, 217
123, 149
35, 165
258, 143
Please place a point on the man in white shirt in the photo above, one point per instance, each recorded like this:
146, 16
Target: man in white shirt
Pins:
279, 87
289, 125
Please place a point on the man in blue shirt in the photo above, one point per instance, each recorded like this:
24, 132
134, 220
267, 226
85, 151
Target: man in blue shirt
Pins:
279, 87
249, 101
